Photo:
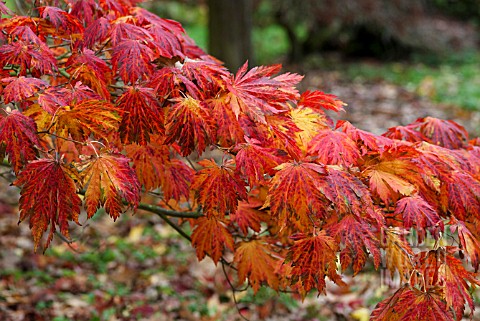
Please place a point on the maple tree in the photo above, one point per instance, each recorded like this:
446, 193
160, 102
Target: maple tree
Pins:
105, 104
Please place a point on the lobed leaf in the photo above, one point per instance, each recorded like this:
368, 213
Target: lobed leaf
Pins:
18, 139
255, 262
48, 198
109, 178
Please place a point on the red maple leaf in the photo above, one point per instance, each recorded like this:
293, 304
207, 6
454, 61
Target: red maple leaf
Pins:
445, 133
97, 31
417, 212
61, 20
407, 133
18, 139
21, 88
312, 259
320, 101
123, 31
143, 115
26, 56
132, 60
218, 188
333, 147
48, 197
358, 237
85, 10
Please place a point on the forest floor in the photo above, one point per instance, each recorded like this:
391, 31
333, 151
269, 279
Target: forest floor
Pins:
139, 269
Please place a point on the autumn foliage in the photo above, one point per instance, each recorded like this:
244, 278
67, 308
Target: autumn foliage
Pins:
105, 105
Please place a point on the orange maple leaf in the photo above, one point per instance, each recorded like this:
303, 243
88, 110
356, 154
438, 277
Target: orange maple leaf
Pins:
255, 262
155, 168
88, 117
48, 197
210, 237
399, 254
394, 173
110, 178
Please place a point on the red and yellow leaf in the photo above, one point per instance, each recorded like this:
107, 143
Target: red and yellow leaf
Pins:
394, 173
92, 71
190, 124
255, 262
358, 237
399, 254
218, 188
88, 117
108, 178
295, 196
256, 94
312, 259
48, 198
210, 237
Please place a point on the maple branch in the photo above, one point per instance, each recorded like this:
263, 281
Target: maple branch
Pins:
64, 73
162, 211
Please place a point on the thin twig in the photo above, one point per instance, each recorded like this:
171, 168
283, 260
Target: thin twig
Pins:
233, 294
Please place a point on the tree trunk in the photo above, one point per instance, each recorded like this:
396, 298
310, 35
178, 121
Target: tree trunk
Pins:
229, 31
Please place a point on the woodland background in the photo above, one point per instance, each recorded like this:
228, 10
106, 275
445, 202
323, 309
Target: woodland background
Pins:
391, 61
